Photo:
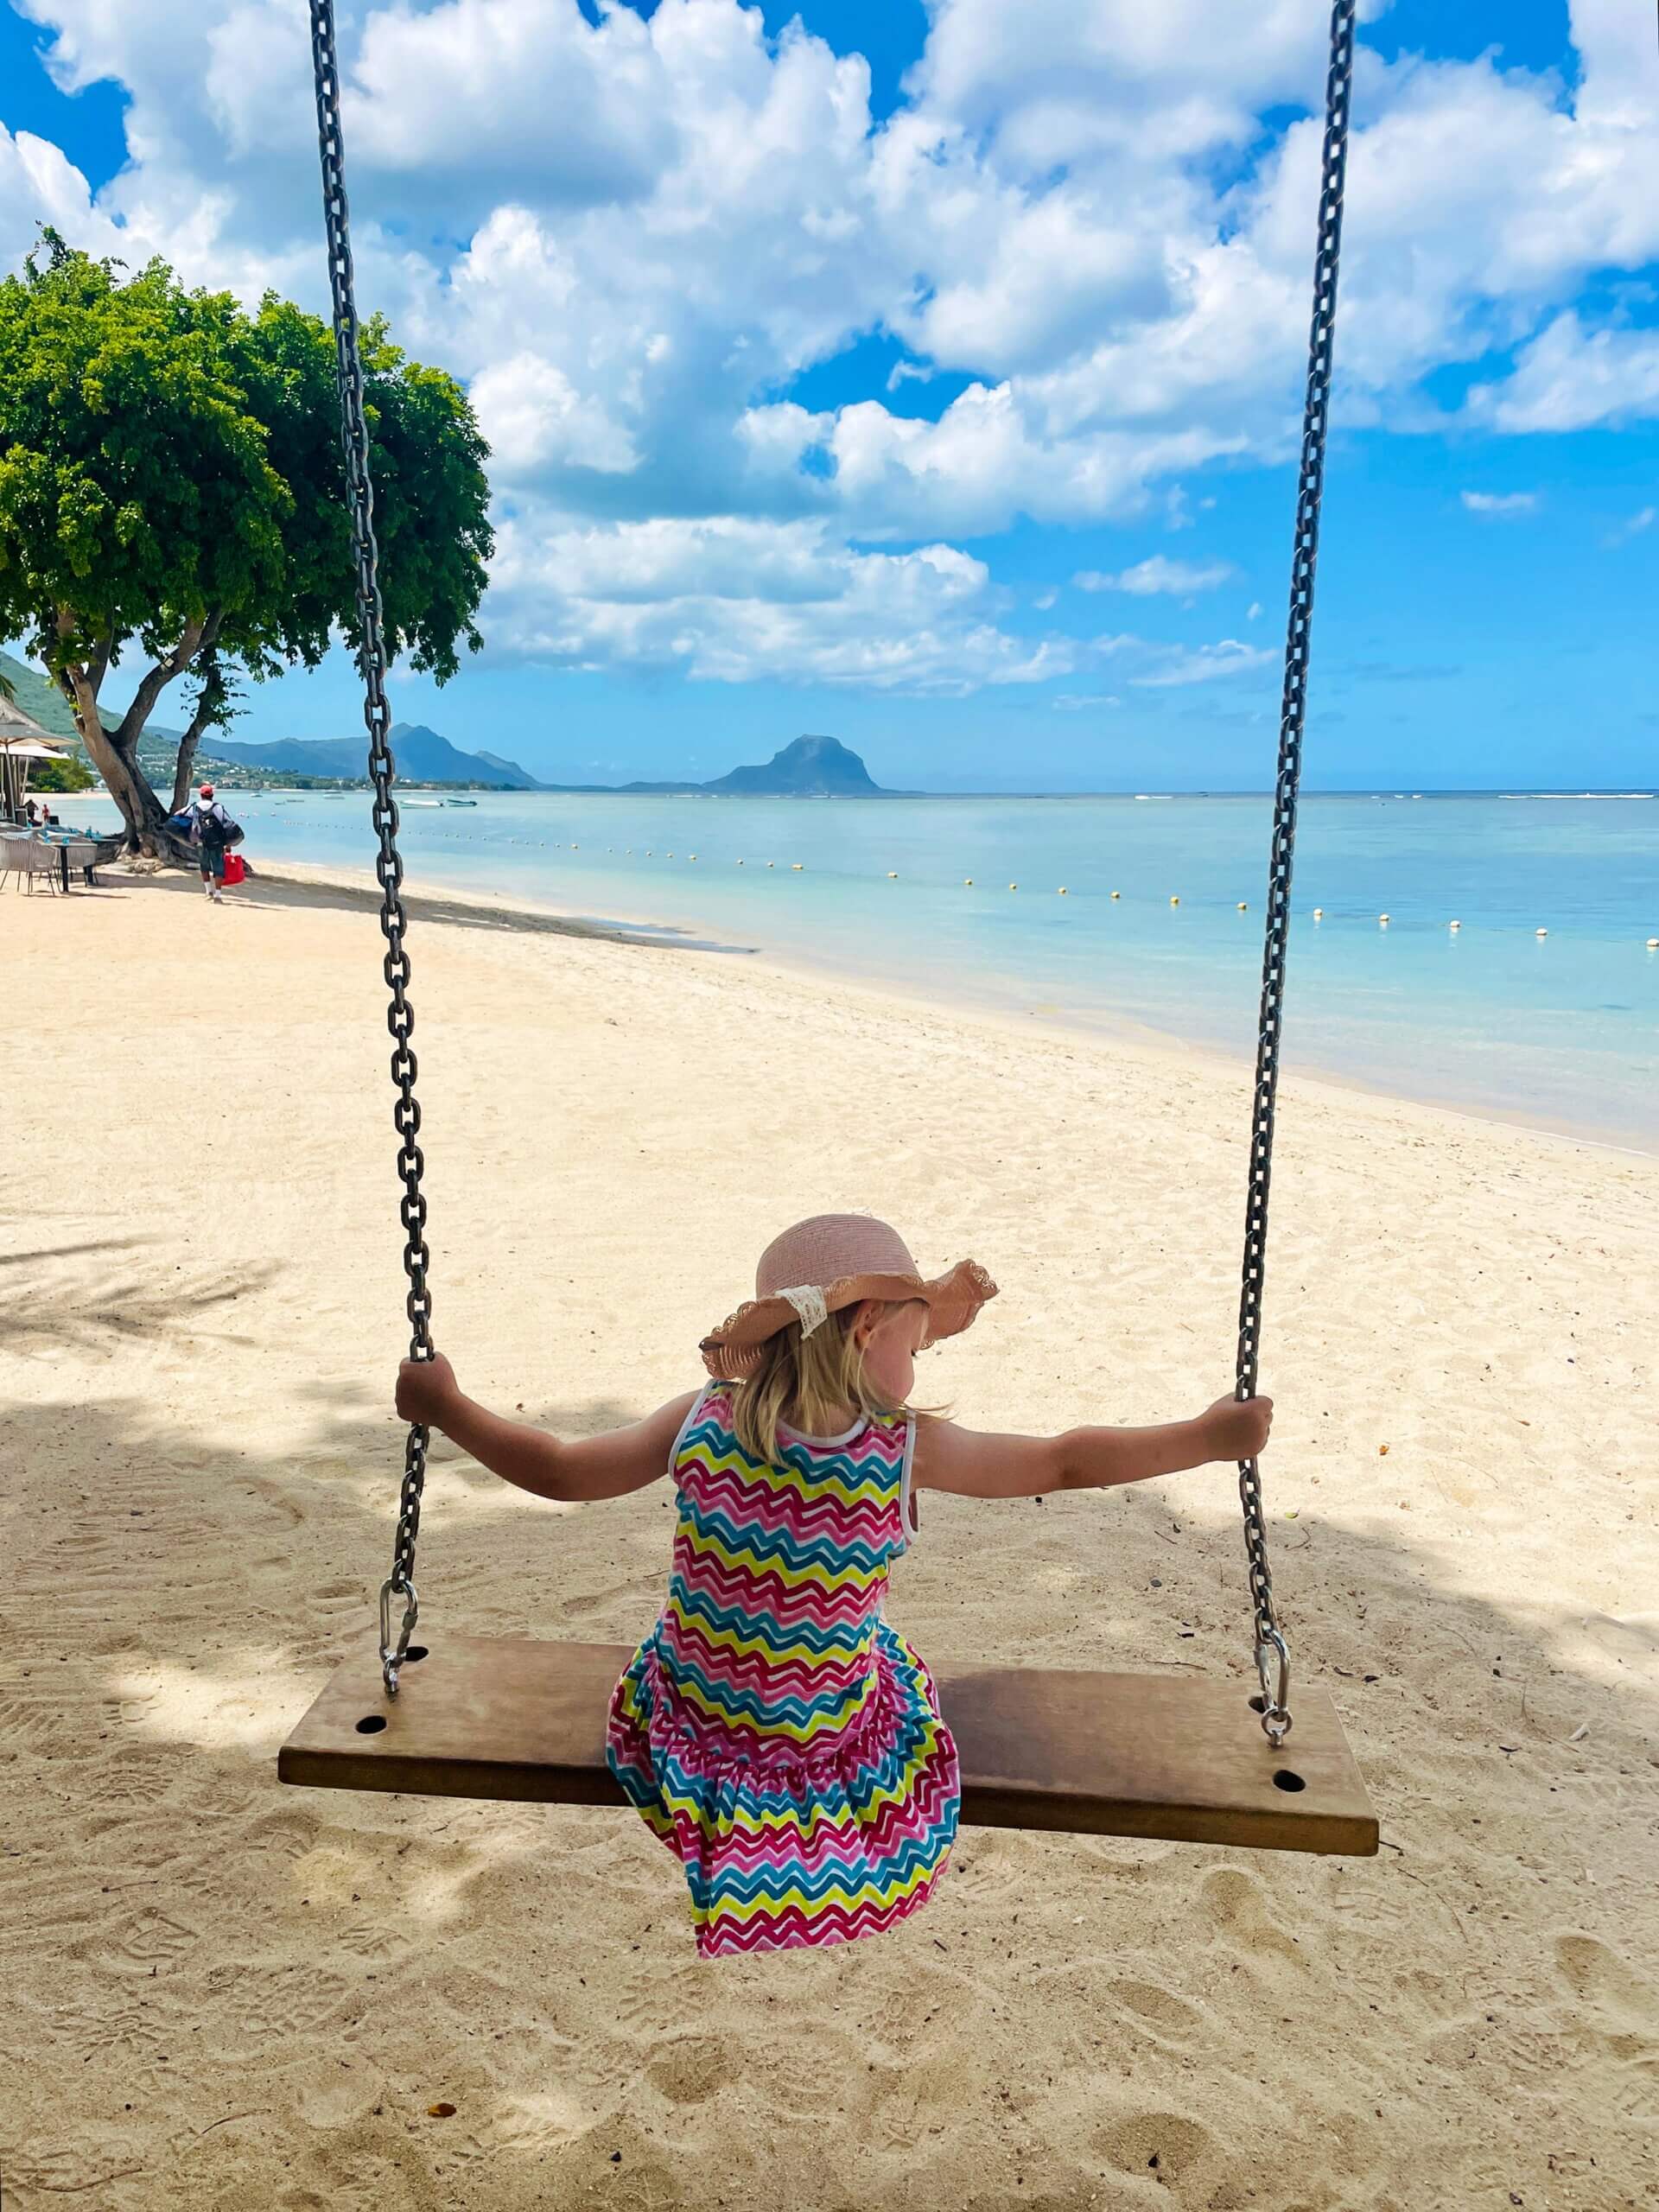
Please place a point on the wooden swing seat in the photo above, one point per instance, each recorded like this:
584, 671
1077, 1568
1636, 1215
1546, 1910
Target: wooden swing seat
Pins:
1170, 1756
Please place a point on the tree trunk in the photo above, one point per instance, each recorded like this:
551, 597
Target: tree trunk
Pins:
140, 810
206, 714
114, 753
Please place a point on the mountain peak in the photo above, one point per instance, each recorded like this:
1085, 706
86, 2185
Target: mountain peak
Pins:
808, 767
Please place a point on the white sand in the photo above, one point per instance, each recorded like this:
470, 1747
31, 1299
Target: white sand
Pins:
221, 1994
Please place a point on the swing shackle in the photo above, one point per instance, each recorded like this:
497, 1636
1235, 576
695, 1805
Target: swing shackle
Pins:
393, 1655
1273, 1671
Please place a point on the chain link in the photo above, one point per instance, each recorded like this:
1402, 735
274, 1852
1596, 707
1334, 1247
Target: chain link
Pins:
389, 866
1272, 1652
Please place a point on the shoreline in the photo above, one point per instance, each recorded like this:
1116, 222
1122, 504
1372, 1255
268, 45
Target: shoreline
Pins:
1117, 1033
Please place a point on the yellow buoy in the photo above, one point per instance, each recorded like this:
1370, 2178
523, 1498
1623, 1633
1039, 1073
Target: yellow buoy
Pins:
1653, 944
690, 856
1063, 892
1540, 932
796, 866
1319, 913
739, 863
1244, 906
1014, 886
968, 881
1174, 902
1117, 894
893, 875
772, 863
1454, 925
1383, 919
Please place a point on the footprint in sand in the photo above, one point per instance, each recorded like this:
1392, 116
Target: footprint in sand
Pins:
1170, 2019
28, 1726
367, 1939
1236, 1909
689, 2068
150, 1938
1164, 2146
812, 2083
116, 2024
1627, 2006
259, 2008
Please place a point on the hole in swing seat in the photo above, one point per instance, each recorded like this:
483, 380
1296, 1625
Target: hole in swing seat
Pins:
371, 1724
1258, 1705
415, 1652
1284, 1779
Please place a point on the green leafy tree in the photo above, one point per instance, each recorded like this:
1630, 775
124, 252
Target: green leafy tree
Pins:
63, 776
171, 488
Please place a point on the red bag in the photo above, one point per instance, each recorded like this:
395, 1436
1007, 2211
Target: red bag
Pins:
235, 868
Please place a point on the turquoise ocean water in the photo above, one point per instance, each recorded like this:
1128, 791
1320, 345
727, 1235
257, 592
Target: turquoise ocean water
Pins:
1562, 1031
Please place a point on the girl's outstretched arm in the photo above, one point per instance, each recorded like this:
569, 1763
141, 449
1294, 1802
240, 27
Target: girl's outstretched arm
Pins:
975, 1465
595, 1466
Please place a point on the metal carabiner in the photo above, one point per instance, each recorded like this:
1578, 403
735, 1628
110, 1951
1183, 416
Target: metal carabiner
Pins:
391, 1656
1272, 1669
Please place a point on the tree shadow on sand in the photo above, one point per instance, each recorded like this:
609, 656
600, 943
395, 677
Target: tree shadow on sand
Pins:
51, 1301
231, 1987
273, 891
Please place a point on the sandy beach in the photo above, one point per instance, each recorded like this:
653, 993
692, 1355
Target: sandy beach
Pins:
221, 1994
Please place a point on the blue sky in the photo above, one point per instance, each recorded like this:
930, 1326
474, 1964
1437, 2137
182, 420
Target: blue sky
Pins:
930, 375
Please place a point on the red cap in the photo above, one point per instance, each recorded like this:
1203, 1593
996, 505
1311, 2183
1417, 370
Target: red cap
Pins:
207, 791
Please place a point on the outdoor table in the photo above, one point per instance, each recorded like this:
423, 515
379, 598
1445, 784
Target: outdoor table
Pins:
71, 848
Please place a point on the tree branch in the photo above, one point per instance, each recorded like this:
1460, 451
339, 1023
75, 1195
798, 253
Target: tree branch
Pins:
210, 713
157, 678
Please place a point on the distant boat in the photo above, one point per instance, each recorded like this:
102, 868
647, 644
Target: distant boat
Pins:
422, 802
461, 801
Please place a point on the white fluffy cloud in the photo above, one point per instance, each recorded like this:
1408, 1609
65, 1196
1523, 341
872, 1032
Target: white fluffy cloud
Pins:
1206, 665
632, 237
1571, 378
1503, 506
1157, 575
733, 600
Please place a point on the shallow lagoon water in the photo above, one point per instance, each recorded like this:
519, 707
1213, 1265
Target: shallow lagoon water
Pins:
1561, 1030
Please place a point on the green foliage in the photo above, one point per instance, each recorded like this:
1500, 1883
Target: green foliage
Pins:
135, 492
168, 461
72, 775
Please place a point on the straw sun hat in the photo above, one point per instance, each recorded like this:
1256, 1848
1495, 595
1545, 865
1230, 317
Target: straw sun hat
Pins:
822, 1266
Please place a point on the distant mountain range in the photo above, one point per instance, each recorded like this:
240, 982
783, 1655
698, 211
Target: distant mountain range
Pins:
811, 767
423, 756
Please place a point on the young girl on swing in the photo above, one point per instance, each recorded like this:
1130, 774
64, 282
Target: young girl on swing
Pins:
774, 1729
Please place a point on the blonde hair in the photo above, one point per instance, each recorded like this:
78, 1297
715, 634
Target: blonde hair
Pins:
807, 1383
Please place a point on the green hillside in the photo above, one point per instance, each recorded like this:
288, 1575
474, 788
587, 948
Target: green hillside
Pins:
39, 699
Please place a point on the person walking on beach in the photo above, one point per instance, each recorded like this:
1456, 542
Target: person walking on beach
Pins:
773, 1729
212, 832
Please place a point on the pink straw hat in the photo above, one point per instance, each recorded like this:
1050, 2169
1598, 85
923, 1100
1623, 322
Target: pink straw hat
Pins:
821, 1267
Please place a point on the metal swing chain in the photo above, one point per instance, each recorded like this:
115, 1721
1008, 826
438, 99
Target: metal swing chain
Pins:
1272, 1652
389, 866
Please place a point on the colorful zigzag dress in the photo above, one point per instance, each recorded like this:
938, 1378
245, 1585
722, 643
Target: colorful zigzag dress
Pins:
774, 1730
